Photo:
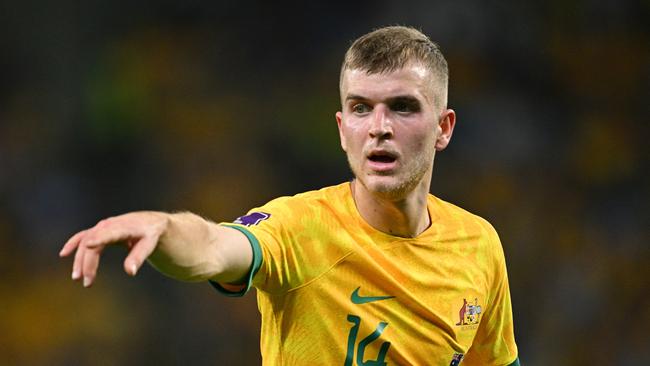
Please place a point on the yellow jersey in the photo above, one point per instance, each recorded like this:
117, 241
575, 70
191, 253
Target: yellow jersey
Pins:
332, 290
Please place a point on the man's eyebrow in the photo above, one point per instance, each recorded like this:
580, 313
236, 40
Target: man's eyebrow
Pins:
404, 99
355, 97
399, 98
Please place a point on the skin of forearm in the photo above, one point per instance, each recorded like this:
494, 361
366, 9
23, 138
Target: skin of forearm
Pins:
189, 249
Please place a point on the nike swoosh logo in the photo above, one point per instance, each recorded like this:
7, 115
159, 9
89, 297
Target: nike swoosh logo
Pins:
357, 299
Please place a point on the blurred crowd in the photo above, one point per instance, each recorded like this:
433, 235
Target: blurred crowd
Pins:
215, 108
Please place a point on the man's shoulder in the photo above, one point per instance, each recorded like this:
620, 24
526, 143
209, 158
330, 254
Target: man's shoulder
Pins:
310, 209
330, 192
335, 197
449, 211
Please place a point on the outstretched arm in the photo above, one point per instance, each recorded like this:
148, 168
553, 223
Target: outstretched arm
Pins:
183, 246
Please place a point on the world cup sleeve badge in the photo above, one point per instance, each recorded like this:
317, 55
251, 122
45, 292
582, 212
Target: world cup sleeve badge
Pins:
253, 218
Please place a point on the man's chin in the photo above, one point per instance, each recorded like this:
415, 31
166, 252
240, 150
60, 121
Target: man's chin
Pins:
387, 187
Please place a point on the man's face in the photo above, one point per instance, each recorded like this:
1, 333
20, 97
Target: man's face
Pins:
390, 128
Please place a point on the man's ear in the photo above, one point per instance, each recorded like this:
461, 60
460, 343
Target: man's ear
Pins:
446, 125
339, 120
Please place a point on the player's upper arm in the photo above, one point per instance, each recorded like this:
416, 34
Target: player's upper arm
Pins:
241, 257
234, 255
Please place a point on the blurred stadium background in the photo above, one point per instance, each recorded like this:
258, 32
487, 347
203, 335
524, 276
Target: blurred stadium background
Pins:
216, 107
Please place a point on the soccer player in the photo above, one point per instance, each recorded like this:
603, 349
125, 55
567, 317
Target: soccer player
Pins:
375, 271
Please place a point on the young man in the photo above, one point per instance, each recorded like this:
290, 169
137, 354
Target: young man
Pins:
371, 272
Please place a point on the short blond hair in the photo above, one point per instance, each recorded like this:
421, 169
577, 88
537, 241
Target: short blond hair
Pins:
391, 48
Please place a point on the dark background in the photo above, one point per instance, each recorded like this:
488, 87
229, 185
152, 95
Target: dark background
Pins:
217, 107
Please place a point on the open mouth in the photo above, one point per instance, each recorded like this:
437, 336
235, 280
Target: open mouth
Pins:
382, 157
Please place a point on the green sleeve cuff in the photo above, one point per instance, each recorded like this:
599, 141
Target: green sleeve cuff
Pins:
255, 265
515, 362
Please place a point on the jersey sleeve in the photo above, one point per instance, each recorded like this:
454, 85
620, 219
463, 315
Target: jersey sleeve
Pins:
271, 231
494, 343
237, 290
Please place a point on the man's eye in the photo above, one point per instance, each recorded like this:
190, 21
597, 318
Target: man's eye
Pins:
360, 108
404, 107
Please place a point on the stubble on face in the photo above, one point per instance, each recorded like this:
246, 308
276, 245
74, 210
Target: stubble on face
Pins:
414, 168
397, 186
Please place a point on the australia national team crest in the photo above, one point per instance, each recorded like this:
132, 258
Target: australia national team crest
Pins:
469, 313
253, 218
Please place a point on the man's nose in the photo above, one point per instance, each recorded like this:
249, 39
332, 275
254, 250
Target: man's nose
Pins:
382, 127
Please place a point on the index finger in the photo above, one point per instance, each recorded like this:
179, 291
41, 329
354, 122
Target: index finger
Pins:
109, 233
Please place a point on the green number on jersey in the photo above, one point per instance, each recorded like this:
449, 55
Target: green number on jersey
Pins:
352, 338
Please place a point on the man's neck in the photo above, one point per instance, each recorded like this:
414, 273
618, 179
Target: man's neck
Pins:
405, 217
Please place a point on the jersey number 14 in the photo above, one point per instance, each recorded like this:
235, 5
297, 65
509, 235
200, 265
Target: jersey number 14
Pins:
361, 348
